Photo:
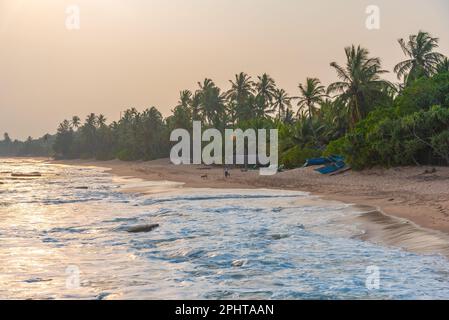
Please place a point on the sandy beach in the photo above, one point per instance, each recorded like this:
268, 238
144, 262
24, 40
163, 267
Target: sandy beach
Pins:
409, 192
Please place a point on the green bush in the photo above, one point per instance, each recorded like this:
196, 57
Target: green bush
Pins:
424, 93
440, 143
418, 138
125, 155
296, 157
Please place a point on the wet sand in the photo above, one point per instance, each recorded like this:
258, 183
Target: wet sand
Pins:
406, 207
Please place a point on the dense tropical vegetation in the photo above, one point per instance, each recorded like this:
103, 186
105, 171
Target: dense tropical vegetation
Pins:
362, 116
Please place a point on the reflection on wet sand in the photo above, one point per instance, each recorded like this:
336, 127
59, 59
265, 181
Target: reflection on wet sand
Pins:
387, 230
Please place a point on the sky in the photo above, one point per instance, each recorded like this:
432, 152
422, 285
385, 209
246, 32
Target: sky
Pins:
141, 53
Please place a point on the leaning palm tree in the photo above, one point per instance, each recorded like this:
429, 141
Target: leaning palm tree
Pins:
312, 93
422, 61
281, 102
360, 83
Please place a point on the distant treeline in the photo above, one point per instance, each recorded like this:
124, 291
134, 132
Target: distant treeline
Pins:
361, 116
42, 147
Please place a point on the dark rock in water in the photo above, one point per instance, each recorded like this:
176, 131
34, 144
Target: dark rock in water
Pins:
143, 228
31, 174
238, 263
103, 296
279, 236
35, 280
81, 188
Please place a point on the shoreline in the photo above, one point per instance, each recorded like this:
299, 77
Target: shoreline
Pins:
409, 209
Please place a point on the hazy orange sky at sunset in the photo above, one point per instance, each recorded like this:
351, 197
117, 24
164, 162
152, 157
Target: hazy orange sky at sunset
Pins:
141, 53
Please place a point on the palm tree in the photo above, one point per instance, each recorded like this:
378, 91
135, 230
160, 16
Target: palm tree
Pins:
241, 90
76, 122
334, 115
265, 89
212, 103
64, 138
308, 132
195, 107
312, 93
360, 83
443, 67
91, 120
185, 98
6, 137
281, 102
422, 61
89, 133
101, 120
288, 117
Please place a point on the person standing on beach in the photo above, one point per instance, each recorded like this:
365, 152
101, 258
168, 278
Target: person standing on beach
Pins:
226, 172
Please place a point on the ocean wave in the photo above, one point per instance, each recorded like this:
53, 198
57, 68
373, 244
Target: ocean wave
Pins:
153, 201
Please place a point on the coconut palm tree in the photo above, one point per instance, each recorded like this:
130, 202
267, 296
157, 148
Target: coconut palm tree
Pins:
333, 113
241, 88
89, 134
308, 132
237, 96
360, 83
212, 103
101, 120
265, 89
289, 117
6, 138
91, 120
185, 98
195, 107
443, 67
312, 93
423, 61
76, 122
281, 102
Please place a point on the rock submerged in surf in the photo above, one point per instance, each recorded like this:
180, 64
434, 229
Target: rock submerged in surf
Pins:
238, 263
31, 174
142, 228
279, 236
